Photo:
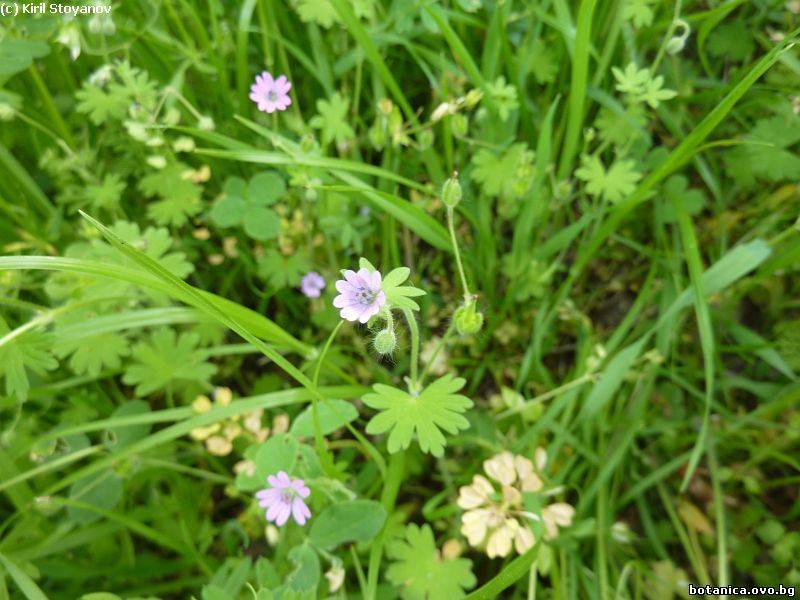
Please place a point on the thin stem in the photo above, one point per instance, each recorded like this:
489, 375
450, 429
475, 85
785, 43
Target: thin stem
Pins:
414, 328
672, 26
315, 378
436, 352
451, 227
394, 478
324, 456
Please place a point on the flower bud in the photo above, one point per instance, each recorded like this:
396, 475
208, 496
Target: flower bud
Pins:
473, 98
7, 111
385, 341
385, 106
451, 192
205, 123
467, 319
675, 45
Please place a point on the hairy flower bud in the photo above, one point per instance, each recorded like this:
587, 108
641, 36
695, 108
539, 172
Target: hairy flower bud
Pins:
451, 192
385, 341
467, 319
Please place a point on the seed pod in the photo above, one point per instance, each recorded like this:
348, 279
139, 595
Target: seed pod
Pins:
451, 192
467, 319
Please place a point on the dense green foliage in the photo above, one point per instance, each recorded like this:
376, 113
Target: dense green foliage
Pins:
582, 379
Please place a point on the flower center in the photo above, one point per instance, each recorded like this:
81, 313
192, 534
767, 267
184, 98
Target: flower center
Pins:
287, 496
272, 96
365, 296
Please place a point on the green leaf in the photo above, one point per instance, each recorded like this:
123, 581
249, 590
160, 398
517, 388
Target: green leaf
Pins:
731, 41
278, 453
266, 188
509, 175
91, 354
332, 415
167, 359
350, 521
676, 189
399, 296
18, 55
122, 435
102, 490
639, 12
421, 573
228, 212
26, 585
333, 121
214, 592
23, 353
434, 408
261, 223
615, 184
179, 197
282, 271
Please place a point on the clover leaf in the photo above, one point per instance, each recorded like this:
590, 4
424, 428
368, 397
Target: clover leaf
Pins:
436, 407
247, 204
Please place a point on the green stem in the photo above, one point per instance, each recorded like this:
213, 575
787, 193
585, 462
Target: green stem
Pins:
325, 457
452, 229
391, 486
50, 107
315, 378
436, 352
414, 329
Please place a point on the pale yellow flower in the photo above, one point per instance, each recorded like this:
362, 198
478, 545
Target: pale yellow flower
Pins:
202, 433
252, 420
477, 494
231, 431
495, 517
272, 534
335, 577
201, 405
218, 445
248, 467
452, 549
223, 396
501, 468
556, 515
280, 424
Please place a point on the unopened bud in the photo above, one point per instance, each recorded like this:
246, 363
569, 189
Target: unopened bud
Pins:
675, 45
205, 123
385, 341
472, 98
467, 319
451, 192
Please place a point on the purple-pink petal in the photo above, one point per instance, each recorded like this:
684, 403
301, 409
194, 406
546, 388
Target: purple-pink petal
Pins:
299, 486
270, 94
300, 511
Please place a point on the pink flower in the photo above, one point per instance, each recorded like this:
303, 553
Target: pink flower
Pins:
284, 498
312, 284
360, 295
271, 94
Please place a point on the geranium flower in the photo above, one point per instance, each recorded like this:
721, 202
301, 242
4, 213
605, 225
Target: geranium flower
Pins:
271, 94
284, 498
496, 520
312, 285
360, 295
